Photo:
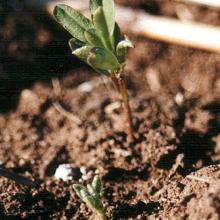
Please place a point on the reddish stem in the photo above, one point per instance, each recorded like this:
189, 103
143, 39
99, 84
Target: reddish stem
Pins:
119, 83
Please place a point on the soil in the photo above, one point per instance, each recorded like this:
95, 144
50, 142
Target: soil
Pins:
170, 170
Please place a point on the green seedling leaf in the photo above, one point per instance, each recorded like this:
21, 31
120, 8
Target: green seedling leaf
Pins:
103, 59
88, 199
91, 201
91, 190
75, 44
122, 49
100, 23
109, 12
83, 52
94, 4
79, 189
92, 38
73, 21
97, 184
91, 197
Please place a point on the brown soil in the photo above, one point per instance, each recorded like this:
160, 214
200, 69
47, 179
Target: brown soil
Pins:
175, 98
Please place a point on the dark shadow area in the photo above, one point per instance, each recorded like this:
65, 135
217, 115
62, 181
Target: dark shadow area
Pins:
194, 145
2, 211
132, 211
33, 47
214, 124
44, 202
118, 174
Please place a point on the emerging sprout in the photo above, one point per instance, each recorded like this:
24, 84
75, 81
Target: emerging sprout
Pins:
92, 196
98, 42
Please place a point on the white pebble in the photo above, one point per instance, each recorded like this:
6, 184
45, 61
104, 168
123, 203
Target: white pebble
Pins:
64, 172
179, 98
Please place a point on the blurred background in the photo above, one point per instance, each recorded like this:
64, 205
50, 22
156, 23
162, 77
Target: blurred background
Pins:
34, 48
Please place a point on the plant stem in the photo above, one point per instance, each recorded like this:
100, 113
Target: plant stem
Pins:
119, 83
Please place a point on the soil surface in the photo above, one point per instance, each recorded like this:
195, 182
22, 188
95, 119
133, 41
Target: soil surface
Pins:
170, 170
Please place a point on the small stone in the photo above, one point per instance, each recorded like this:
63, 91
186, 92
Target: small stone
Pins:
179, 98
67, 172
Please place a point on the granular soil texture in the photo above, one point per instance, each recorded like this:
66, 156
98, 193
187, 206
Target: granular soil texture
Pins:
170, 170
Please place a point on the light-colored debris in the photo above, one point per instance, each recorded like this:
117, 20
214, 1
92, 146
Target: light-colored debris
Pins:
67, 114
179, 98
65, 172
57, 93
86, 174
86, 87
109, 109
201, 179
153, 79
121, 153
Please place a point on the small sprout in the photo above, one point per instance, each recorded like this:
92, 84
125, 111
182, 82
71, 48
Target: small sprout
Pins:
92, 196
98, 42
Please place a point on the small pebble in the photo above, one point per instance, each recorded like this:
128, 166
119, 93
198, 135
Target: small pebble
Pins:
179, 98
67, 172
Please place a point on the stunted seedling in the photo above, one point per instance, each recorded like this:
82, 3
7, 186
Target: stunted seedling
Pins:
92, 196
98, 42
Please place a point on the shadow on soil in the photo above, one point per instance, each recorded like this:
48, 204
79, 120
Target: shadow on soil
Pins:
132, 211
23, 60
194, 145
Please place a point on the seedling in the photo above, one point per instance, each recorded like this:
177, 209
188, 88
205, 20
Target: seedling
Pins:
92, 196
98, 42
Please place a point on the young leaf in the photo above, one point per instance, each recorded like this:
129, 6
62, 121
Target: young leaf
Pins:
91, 197
97, 184
91, 190
88, 199
75, 44
94, 4
73, 21
122, 49
103, 59
83, 52
92, 38
79, 189
84, 194
100, 23
109, 12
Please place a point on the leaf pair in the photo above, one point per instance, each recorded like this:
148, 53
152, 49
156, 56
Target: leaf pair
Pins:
92, 195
